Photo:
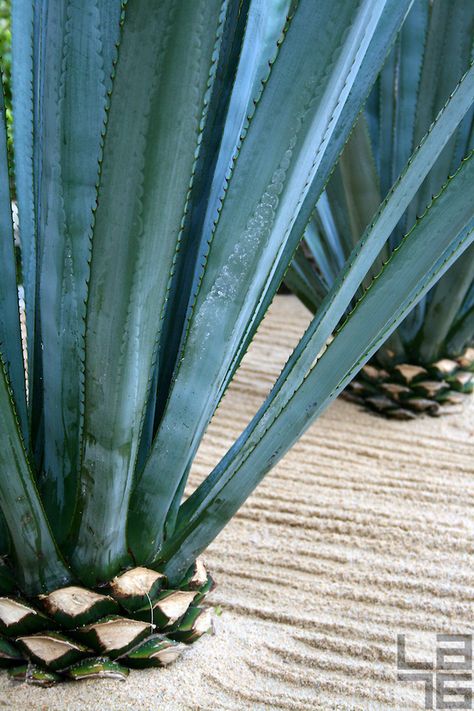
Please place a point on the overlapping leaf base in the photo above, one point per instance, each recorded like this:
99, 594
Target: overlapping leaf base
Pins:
405, 391
75, 633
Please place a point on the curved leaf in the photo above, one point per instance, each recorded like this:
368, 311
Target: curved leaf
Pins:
445, 231
10, 339
77, 66
167, 58
462, 334
443, 306
40, 568
272, 177
23, 19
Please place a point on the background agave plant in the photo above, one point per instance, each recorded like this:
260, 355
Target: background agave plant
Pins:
167, 159
425, 365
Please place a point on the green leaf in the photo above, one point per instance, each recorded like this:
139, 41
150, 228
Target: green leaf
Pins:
462, 333
40, 568
360, 188
301, 393
347, 283
398, 95
447, 56
10, 339
4, 538
166, 65
273, 176
329, 252
397, 101
386, 122
304, 281
77, 66
353, 198
444, 304
264, 28
251, 46
202, 200
389, 23
23, 105
409, 50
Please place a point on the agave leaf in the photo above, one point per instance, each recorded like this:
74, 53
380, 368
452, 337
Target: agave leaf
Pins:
448, 53
304, 389
168, 54
446, 58
249, 44
365, 193
265, 25
386, 122
338, 205
389, 214
10, 339
23, 105
461, 334
443, 306
4, 538
274, 172
409, 49
468, 302
397, 101
202, 194
303, 281
359, 190
7, 579
397, 97
326, 223
354, 196
320, 249
253, 48
40, 567
77, 65
389, 23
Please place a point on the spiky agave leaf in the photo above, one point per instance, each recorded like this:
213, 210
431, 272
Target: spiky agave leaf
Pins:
434, 42
10, 340
273, 172
78, 47
306, 387
168, 52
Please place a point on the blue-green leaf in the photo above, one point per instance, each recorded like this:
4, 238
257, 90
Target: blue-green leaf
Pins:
305, 388
10, 339
77, 65
40, 568
23, 17
445, 302
389, 23
305, 282
461, 334
166, 65
273, 176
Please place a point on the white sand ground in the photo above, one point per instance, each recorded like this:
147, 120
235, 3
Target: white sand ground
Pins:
365, 530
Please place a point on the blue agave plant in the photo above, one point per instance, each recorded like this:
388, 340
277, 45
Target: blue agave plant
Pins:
426, 364
168, 157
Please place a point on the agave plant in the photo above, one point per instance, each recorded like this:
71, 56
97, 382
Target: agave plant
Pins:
167, 158
426, 365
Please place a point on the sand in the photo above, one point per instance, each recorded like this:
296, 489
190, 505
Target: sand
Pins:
364, 531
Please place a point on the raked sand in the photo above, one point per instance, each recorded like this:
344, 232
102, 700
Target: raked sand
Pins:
364, 531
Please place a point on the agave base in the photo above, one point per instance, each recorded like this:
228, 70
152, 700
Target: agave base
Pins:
406, 390
75, 633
